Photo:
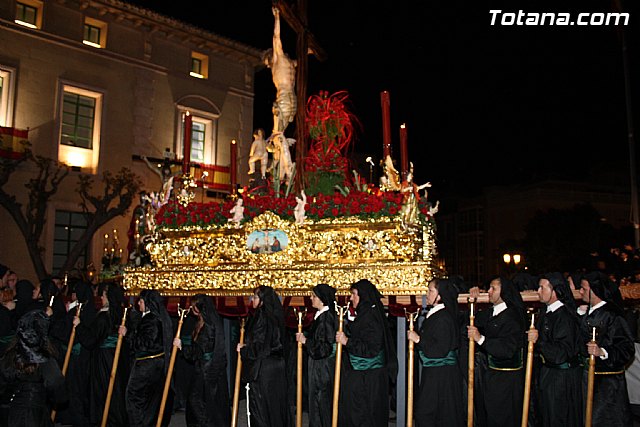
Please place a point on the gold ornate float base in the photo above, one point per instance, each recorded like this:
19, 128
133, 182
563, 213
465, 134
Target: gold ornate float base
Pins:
234, 261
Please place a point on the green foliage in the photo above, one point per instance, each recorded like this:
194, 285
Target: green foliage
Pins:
321, 182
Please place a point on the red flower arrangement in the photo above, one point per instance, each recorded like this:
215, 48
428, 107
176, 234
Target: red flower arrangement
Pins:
360, 204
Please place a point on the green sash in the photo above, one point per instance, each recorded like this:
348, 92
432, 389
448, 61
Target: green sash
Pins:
366, 363
513, 364
449, 360
110, 341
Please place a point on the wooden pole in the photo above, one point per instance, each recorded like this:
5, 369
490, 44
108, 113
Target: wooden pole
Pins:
299, 375
471, 370
411, 317
236, 389
67, 356
590, 378
336, 377
527, 379
167, 383
114, 369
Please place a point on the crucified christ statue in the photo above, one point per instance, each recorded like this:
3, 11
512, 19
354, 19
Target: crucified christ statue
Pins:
283, 72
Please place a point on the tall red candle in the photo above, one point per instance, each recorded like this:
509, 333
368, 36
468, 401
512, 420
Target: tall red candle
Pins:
386, 124
234, 164
186, 154
404, 154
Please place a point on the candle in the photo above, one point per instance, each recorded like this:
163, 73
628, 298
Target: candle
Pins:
404, 156
386, 124
234, 162
186, 155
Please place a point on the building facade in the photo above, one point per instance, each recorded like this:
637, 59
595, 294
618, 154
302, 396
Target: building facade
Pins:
104, 84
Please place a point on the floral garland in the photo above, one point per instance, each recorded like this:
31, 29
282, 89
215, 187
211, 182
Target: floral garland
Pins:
361, 204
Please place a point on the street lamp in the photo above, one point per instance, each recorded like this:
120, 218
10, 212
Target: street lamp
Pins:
509, 258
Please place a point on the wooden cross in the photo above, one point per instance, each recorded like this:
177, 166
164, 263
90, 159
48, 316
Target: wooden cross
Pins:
306, 43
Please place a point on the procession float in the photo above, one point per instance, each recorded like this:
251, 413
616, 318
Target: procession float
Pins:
337, 230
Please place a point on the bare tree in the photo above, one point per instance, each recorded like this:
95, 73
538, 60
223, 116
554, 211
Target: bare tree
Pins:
119, 191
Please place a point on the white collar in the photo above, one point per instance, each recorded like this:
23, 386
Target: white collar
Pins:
597, 306
499, 308
436, 308
319, 312
554, 306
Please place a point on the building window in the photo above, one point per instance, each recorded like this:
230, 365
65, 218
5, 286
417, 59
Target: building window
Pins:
29, 13
203, 131
7, 83
78, 113
79, 144
199, 65
198, 134
69, 227
95, 33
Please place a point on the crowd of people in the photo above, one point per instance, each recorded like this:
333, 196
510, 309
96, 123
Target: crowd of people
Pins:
42, 379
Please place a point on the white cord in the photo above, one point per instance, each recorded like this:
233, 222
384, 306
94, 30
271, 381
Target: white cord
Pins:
248, 412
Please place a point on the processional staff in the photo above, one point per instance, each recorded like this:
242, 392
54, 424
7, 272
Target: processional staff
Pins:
411, 317
471, 368
67, 356
167, 383
336, 378
114, 369
300, 314
590, 378
236, 388
527, 379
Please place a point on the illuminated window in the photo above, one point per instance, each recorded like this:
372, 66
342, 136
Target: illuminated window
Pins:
69, 227
79, 143
7, 83
29, 13
203, 131
78, 113
199, 65
95, 33
198, 133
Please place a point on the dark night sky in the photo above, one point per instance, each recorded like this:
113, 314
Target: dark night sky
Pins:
483, 104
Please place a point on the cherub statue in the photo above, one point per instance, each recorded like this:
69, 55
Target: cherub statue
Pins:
259, 153
298, 211
238, 213
434, 209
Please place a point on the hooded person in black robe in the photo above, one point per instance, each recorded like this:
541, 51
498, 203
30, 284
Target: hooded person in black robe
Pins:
614, 349
100, 337
439, 398
500, 333
263, 361
30, 379
320, 342
370, 363
151, 342
558, 388
208, 394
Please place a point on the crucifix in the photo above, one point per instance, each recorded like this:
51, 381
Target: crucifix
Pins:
306, 43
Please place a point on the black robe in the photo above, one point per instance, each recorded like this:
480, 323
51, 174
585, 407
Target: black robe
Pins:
439, 398
146, 382
502, 382
364, 393
28, 398
320, 345
264, 369
559, 388
208, 396
611, 406
100, 338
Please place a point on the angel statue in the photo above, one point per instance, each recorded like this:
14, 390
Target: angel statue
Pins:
390, 180
411, 197
238, 213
